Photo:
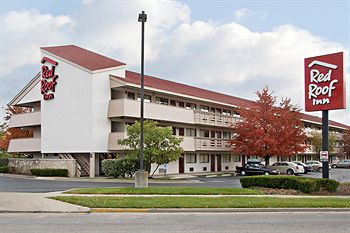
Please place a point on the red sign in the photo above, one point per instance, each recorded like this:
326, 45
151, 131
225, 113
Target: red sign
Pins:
324, 82
48, 81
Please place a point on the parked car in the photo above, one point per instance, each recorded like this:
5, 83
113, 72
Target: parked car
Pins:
307, 168
315, 165
288, 168
255, 169
342, 164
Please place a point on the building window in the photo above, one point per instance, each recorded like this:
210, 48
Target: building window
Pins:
204, 108
160, 100
181, 104
191, 158
236, 158
190, 106
147, 98
174, 130
181, 131
227, 158
226, 112
131, 95
204, 133
172, 102
191, 132
226, 135
204, 158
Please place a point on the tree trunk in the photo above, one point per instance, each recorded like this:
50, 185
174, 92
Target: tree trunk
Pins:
267, 160
155, 170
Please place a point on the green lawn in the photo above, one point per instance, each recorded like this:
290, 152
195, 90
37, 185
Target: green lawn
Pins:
168, 191
204, 202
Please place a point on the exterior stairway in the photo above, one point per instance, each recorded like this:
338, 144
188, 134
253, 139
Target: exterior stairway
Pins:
83, 164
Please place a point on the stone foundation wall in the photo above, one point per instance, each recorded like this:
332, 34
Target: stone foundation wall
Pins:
23, 166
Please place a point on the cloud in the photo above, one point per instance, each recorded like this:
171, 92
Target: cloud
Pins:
225, 57
245, 13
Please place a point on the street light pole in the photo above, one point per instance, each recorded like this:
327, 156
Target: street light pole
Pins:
141, 176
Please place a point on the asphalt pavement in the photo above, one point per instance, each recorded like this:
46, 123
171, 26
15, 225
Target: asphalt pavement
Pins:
263, 222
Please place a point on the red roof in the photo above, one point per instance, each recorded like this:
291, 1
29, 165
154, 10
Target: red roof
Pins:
165, 85
83, 57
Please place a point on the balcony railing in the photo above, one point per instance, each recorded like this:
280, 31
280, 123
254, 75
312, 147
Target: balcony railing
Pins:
25, 119
212, 144
214, 119
25, 145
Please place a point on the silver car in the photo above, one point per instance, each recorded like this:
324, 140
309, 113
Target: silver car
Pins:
288, 168
342, 164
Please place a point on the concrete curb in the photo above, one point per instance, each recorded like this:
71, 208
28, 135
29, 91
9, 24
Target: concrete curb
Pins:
49, 212
216, 210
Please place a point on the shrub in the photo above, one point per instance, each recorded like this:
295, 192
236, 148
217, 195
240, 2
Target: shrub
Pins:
303, 184
4, 169
4, 162
119, 167
49, 172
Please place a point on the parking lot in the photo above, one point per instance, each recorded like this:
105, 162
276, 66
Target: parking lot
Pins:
338, 174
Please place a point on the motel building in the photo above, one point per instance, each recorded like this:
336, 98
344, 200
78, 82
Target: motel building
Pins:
82, 101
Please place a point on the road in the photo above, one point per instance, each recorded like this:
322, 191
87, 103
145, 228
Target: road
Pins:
310, 222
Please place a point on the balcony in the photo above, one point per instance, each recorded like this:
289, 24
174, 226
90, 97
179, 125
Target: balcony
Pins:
131, 108
25, 145
212, 144
187, 144
214, 119
25, 119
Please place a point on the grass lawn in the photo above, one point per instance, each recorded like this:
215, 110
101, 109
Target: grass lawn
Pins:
168, 191
204, 202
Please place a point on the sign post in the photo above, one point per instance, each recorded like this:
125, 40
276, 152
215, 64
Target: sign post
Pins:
325, 90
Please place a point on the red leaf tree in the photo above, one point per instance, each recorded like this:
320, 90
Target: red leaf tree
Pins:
13, 133
268, 129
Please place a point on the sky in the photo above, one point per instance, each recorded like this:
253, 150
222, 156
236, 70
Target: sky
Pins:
233, 47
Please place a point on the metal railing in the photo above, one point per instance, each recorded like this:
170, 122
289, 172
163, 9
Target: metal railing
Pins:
214, 119
212, 144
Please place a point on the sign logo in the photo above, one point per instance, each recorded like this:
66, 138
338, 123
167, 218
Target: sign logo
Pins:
324, 82
324, 156
48, 81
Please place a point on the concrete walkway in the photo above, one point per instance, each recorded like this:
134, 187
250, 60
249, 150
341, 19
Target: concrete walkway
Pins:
36, 202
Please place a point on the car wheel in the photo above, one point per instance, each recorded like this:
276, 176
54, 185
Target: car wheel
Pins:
266, 173
243, 173
319, 169
334, 166
290, 172
305, 172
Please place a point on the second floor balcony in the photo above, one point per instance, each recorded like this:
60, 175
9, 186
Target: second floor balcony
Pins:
24, 145
214, 119
25, 119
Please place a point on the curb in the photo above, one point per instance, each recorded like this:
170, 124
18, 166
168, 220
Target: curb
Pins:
44, 211
217, 210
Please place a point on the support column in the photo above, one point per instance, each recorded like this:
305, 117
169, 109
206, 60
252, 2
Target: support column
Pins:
97, 165
92, 165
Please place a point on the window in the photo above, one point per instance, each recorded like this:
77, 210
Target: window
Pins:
131, 95
191, 132
191, 158
181, 104
172, 102
205, 169
226, 112
160, 100
204, 108
212, 110
204, 133
190, 106
227, 159
181, 131
146, 98
204, 158
236, 158
212, 134
174, 130
218, 134
226, 135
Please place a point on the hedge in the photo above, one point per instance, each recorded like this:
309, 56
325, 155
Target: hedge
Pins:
303, 184
49, 172
4, 162
4, 169
119, 167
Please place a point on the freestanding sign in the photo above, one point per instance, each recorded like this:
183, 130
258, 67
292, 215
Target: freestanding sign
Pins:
324, 82
325, 90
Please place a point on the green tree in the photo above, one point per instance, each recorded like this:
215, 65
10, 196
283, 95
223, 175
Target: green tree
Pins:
160, 146
316, 141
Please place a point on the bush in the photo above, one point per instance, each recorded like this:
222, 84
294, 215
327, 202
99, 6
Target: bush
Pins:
305, 185
119, 167
4, 162
4, 169
49, 172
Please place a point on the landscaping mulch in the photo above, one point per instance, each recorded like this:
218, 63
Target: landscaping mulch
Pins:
271, 191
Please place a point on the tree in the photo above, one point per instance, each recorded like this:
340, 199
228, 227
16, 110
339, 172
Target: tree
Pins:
13, 133
268, 129
346, 142
316, 141
160, 146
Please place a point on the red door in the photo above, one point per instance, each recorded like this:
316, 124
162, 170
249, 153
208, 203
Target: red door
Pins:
218, 157
212, 163
181, 165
